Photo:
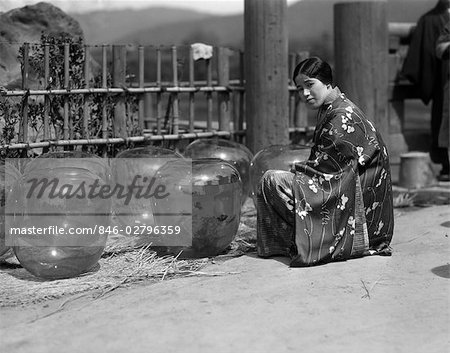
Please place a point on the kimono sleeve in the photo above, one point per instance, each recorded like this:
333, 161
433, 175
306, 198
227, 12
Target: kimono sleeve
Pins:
346, 140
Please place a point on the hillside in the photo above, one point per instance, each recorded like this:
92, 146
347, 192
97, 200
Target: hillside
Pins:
310, 25
112, 26
26, 24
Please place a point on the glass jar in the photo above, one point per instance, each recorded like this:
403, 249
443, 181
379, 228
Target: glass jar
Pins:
65, 223
277, 157
238, 155
216, 189
9, 175
137, 166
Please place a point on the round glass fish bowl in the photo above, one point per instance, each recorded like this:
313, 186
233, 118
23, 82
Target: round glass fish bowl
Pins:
137, 167
9, 175
278, 157
238, 155
57, 205
216, 190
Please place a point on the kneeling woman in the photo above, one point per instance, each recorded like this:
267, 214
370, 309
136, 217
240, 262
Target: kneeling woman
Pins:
337, 204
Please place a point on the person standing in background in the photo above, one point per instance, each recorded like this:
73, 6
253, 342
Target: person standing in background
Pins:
442, 52
423, 68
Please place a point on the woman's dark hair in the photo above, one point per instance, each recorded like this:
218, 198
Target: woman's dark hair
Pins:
315, 67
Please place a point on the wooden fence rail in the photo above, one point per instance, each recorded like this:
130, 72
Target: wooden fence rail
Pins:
166, 109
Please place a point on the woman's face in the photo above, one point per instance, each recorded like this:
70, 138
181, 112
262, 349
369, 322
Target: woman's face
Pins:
312, 91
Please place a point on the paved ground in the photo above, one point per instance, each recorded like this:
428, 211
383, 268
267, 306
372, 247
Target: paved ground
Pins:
373, 304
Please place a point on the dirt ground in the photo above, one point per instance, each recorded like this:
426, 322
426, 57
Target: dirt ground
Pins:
247, 304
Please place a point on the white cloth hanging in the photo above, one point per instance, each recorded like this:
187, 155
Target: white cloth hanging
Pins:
201, 51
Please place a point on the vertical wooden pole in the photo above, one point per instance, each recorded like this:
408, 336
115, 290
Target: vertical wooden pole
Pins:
105, 96
223, 98
241, 119
86, 108
191, 94
47, 97
266, 73
234, 97
119, 73
175, 101
141, 109
23, 133
361, 52
105, 125
209, 98
159, 113
67, 131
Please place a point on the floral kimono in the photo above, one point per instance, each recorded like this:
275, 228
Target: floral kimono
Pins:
338, 203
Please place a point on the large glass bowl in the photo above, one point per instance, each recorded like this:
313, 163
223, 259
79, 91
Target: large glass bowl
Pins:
66, 206
232, 152
216, 202
278, 157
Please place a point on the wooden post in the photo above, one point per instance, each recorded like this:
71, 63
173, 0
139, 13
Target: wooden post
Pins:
141, 110
266, 73
241, 119
23, 132
105, 97
361, 51
209, 97
119, 73
191, 94
46, 98
175, 101
86, 107
67, 124
159, 113
223, 98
